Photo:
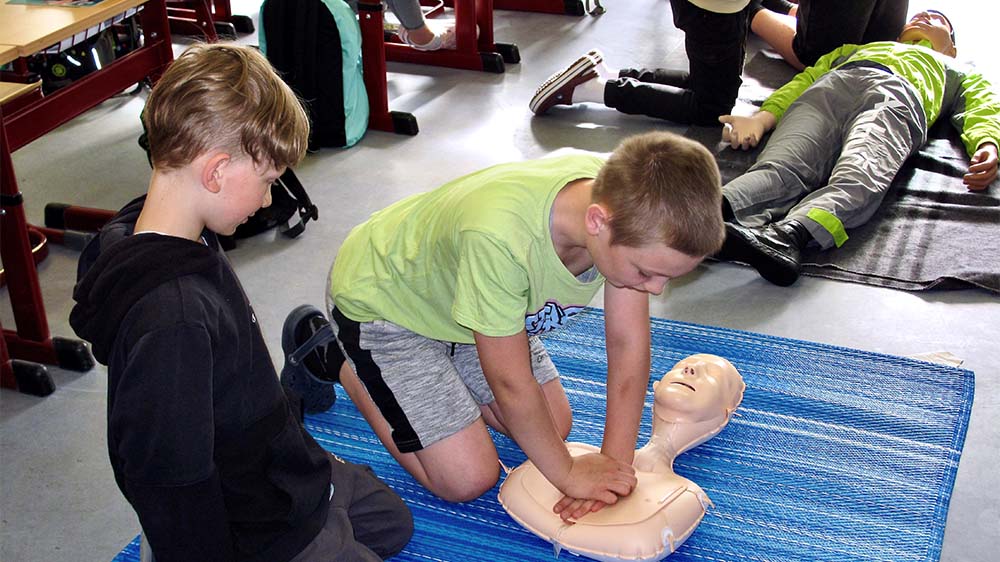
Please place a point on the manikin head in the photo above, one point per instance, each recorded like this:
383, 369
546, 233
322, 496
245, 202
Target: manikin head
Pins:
932, 26
694, 400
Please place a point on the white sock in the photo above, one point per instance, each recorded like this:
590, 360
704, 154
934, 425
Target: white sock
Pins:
590, 91
604, 72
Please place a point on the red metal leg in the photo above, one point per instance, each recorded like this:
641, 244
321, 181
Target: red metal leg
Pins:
484, 20
22, 278
373, 67
221, 10
25, 376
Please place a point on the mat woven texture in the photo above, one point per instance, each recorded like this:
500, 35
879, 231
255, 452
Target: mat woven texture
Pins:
835, 454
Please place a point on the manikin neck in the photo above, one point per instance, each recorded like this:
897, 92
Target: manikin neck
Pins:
671, 438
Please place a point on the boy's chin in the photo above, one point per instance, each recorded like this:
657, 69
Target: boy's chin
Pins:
912, 35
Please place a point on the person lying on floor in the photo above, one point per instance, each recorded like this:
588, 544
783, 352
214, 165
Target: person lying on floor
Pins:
842, 130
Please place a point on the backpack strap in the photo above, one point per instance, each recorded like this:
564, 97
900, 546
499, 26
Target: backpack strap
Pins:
306, 210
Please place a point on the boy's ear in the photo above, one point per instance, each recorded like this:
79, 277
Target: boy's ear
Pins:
213, 170
597, 218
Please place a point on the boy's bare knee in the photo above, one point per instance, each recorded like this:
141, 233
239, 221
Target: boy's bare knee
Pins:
467, 487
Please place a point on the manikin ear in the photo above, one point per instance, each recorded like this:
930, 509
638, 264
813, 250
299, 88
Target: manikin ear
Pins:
597, 219
213, 170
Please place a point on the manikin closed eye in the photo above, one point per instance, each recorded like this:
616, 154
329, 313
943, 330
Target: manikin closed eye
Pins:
692, 403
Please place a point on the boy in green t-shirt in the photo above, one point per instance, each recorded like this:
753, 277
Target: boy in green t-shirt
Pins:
438, 301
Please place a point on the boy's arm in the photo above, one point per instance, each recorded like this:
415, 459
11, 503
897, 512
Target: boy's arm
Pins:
161, 427
506, 362
976, 115
626, 324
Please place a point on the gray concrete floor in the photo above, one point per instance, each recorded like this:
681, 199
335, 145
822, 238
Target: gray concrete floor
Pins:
57, 495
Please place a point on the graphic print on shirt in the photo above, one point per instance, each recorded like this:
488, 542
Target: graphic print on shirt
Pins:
549, 317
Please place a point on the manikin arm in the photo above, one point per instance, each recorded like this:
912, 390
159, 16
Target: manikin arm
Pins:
506, 362
982, 168
746, 132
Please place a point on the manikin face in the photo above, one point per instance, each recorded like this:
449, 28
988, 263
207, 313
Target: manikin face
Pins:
932, 27
698, 388
246, 188
646, 268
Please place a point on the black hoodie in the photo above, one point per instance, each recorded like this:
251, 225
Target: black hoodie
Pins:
202, 441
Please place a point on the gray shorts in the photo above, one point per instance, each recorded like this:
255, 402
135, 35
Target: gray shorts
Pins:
426, 389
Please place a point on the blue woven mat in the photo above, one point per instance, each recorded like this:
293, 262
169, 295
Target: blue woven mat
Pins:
835, 454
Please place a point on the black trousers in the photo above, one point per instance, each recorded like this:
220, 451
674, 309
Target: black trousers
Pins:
824, 25
367, 522
716, 47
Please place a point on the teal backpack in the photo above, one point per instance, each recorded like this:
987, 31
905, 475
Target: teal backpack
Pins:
315, 45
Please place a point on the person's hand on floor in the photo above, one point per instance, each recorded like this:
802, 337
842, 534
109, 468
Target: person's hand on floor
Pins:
982, 168
746, 132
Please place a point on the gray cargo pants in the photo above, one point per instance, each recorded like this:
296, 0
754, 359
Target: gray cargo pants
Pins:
833, 155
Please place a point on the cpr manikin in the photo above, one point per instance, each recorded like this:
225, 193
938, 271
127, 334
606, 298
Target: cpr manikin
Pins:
692, 403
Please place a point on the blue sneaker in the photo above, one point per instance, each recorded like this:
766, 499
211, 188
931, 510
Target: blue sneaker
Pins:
312, 359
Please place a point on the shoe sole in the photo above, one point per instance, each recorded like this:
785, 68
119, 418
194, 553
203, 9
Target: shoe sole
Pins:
557, 81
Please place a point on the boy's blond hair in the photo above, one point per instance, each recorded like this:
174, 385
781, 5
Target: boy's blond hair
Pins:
663, 188
224, 97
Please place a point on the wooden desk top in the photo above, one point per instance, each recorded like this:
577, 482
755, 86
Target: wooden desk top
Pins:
7, 53
11, 90
33, 28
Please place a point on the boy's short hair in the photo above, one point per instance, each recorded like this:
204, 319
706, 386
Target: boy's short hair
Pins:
661, 187
224, 97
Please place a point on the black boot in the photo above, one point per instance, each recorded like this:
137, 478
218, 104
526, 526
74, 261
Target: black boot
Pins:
773, 250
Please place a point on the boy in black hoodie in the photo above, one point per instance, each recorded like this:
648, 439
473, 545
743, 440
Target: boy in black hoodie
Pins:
202, 440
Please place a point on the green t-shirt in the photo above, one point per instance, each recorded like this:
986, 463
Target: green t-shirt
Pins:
474, 254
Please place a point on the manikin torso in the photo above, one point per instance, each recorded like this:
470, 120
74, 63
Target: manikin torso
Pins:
693, 402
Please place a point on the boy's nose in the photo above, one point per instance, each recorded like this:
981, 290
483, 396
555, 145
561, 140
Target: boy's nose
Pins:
656, 285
